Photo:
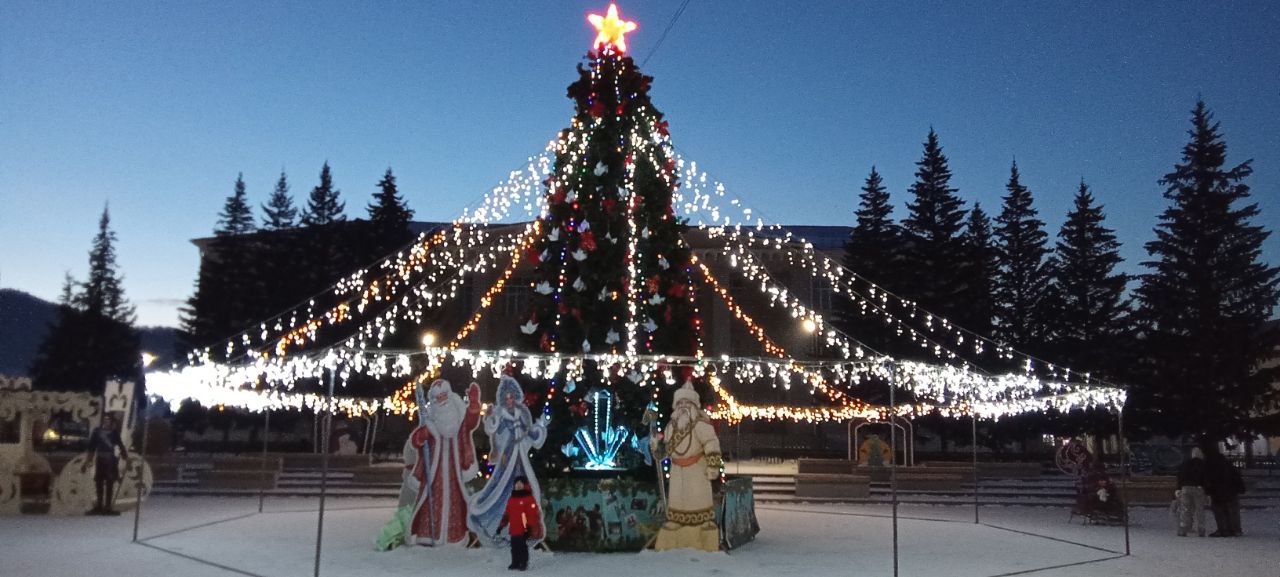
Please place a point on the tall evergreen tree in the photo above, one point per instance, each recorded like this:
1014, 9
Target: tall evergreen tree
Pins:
982, 269
92, 338
1021, 248
103, 291
1086, 295
236, 217
389, 218
226, 299
874, 242
323, 206
279, 210
1206, 298
871, 252
931, 232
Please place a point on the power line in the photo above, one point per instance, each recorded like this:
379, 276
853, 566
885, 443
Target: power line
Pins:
671, 24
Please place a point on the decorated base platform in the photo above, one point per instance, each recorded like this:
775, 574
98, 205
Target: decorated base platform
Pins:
622, 514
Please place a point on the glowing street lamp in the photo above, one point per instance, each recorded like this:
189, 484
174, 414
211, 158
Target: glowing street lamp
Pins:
147, 359
428, 340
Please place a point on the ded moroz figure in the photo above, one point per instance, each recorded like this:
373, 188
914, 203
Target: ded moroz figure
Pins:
446, 459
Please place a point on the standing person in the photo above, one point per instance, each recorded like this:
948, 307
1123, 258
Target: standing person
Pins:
513, 433
1191, 495
103, 442
1224, 486
525, 519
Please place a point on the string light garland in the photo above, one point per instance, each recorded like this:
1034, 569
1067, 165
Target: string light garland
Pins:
263, 366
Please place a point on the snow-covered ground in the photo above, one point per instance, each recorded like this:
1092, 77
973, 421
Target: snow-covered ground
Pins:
799, 539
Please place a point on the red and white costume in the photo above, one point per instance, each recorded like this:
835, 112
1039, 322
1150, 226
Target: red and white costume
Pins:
446, 459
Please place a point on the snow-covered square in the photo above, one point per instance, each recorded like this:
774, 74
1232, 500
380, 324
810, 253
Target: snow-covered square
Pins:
197, 537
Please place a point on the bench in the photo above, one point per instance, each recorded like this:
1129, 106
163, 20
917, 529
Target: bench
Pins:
315, 460
237, 479
992, 470
387, 475
833, 486
1149, 489
937, 479
825, 466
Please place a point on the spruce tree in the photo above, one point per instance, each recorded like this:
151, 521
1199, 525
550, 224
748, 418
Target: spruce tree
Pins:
931, 233
873, 244
1206, 298
323, 206
279, 210
611, 273
1021, 248
389, 218
1086, 294
982, 266
872, 253
92, 339
236, 217
227, 297
103, 290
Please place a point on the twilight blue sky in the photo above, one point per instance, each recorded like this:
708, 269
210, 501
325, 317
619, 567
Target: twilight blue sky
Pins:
155, 106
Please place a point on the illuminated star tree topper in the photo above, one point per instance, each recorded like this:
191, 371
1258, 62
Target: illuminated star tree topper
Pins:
611, 28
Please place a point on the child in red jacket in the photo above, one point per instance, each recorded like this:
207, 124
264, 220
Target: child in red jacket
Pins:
525, 519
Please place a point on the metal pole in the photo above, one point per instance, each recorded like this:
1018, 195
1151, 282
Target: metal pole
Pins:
140, 487
893, 477
262, 477
1124, 471
973, 419
324, 468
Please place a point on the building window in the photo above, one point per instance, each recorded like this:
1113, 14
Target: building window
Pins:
820, 294
515, 298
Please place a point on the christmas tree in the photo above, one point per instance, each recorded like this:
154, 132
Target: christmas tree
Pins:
612, 274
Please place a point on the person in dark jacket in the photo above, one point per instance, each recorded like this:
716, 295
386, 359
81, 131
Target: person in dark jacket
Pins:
525, 519
1224, 485
1191, 495
103, 443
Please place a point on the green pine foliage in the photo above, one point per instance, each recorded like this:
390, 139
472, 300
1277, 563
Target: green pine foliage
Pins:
983, 266
1086, 295
1205, 299
582, 275
236, 217
324, 206
389, 218
935, 272
279, 212
92, 339
227, 295
1021, 249
873, 252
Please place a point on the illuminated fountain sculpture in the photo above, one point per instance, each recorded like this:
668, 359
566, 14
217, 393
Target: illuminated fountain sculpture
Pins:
600, 442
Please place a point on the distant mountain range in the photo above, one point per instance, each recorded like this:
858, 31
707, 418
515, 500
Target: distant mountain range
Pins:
25, 320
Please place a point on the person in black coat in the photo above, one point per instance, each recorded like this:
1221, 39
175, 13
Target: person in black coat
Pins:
1224, 485
1191, 494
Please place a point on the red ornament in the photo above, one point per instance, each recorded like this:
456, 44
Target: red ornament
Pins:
588, 242
580, 408
676, 290
563, 308
545, 343
530, 399
557, 197
662, 128
597, 109
687, 373
609, 204
577, 313
535, 257
620, 110
652, 284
